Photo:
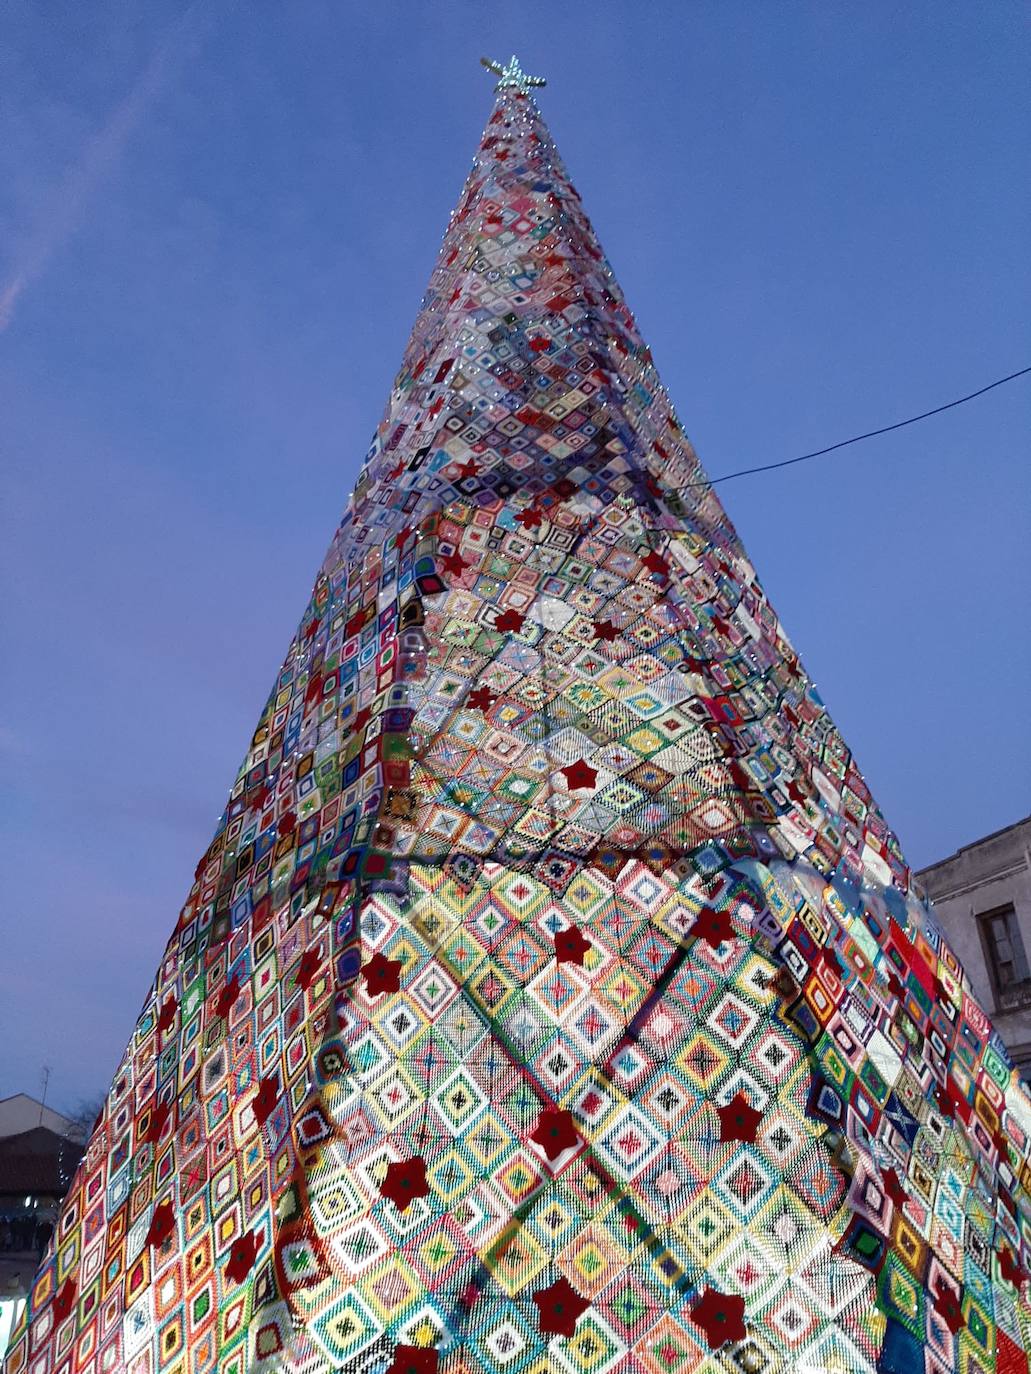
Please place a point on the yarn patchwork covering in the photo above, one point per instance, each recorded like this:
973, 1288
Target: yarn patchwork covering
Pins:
553, 995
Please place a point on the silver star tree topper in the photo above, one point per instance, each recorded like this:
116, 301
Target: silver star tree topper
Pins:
512, 76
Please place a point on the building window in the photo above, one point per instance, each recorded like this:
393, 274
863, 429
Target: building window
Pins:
1007, 962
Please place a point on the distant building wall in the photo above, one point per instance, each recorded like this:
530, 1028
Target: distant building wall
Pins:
982, 897
23, 1113
38, 1154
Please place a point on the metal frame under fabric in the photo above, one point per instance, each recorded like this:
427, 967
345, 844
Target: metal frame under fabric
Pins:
552, 995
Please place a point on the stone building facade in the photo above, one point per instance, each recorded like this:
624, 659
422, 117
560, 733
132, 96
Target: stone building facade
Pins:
982, 896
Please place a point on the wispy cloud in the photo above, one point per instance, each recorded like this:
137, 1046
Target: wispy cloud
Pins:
99, 157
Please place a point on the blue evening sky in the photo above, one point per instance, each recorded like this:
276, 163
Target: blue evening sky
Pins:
216, 223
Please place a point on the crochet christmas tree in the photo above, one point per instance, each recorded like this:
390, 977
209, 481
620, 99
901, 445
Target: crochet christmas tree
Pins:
553, 995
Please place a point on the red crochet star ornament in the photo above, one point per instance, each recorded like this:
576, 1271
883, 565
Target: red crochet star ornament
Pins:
482, 699
470, 468
454, 564
570, 946
795, 792
312, 628
166, 1016
1010, 1267
721, 1317
158, 1121
712, 926
530, 519
308, 968
655, 563
948, 1100
263, 1103
227, 996
893, 1187
404, 1181
604, 629
382, 974
414, 1359
509, 620
555, 1132
738, 1120
949, 1307
64, 1300
559, 1307
242, 1257
287, 823
162, 1224
579, 775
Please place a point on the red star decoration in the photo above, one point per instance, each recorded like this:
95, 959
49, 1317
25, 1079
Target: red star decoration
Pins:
579, 775
263, 1104
312, 628
721, 1317
404, 1181
242, 1257
655, 563
555, 1132
738, 1119
1010, 1267
712, 926
382, 974
404, 534
454, 564
158, 1121
948, 1306
559, 1307
570, 946
64, 1300
308, 968
893, 1188
482, 699
414, 1359
604, 629
260, 798
314, 687
162, 1224
530, 519
166, 1017
227, 997
509, 620
948, 1100
395, 472
540, 345
288, 823
469, 468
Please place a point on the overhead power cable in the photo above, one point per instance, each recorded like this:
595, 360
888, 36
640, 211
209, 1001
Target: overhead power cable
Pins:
857, 438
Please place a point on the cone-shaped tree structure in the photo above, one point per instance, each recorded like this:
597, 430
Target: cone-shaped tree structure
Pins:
552, 995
